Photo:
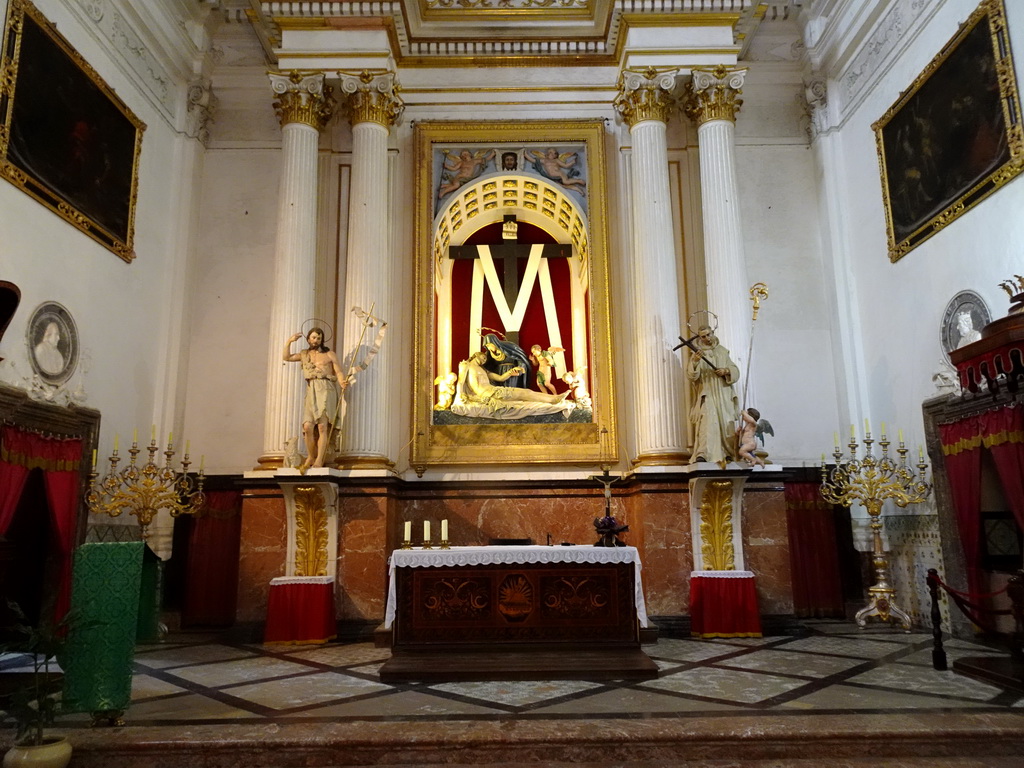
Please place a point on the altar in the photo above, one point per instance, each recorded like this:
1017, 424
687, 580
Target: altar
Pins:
516, 613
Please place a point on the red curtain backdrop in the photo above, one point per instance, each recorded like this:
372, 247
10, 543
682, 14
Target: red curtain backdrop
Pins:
1002, 433
813, 552
211, 568
961, 446
60, 459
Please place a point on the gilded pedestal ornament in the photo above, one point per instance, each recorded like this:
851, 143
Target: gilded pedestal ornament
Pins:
716, 530
372, 96
302, 98
646, 95
713, 94
312, 525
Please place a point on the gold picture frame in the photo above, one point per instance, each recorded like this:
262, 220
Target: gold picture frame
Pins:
954, 137
66, 139
471, 176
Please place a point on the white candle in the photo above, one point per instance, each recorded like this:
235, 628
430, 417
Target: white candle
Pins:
135, 435
853, 431
883, 429
94, 458
188, 444
152, 433
901, 437
867, 427
426, 530
170, 438
835, 435
444, 530
408, 531
202, 461
116, 440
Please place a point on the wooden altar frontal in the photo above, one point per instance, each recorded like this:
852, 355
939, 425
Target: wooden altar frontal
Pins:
516, 613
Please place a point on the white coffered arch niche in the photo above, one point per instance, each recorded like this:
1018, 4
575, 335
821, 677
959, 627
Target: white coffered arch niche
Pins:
560, 299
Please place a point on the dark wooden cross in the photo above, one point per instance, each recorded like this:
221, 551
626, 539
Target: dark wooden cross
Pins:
509, 251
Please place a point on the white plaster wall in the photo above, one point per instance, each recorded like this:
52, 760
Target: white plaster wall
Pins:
128, 315
900, 305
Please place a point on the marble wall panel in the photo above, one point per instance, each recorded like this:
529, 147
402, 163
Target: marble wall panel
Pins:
362, 556
666, 550
766, 548
261, 552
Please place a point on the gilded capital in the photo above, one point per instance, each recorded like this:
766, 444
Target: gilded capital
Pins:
302, 97
713, 94
372, 97
645, 95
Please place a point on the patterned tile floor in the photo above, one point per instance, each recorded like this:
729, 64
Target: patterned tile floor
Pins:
197, 680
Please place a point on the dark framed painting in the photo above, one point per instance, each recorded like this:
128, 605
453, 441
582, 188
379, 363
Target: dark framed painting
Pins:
65, 137
954, 137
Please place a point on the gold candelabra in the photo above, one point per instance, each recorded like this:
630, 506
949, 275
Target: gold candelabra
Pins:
144, 491
871, 480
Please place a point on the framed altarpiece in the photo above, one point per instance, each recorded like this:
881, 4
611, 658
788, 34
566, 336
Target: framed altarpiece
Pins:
513, 358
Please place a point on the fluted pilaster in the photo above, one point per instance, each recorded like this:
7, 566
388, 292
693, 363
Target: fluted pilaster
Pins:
712, 102
303, 107
372, 103
645, 100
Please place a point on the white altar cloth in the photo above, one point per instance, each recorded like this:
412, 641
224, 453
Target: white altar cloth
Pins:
497, 555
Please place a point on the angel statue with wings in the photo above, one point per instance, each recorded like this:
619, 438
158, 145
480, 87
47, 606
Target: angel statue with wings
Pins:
462, 168
558, 167
752, 427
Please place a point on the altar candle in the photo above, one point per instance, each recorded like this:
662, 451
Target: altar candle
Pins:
901, 437
408, 531
867, 427
853, 432
426, 530
835, 436
187, 444
152, 433
920, 454
94, 458
883, 429
116, 440
170, 439
823, 459
444, 530
135, 435
202, 460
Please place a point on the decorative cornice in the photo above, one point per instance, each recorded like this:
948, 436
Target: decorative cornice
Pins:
646, 95
302, 98
371, 96
713, 94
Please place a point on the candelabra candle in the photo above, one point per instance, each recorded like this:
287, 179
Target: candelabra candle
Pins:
871, 480
144, 491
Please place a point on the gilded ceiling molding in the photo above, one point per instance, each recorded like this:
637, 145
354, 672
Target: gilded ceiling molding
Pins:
713, 94
371, 96
646, 95
302, 98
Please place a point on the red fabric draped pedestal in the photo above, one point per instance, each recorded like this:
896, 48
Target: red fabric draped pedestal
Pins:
300, 610
724, 604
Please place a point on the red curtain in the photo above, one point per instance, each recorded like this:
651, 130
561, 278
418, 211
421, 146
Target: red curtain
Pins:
961, 446
211, 568
60, 459
12, 474
813, 552
1002, 433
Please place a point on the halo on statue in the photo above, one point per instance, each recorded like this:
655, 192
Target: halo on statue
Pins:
703, 317
316, 322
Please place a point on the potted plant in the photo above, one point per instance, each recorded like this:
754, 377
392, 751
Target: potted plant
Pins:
34, 704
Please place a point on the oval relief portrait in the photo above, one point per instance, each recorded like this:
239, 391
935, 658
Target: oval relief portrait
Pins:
52, 343
962, 322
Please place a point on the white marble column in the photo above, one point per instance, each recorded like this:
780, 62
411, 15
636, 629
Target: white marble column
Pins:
373, 106
304, 106
645, 100
712, 103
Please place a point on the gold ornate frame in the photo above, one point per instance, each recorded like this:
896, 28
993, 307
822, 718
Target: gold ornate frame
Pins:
506, 443
66, 139
954, 137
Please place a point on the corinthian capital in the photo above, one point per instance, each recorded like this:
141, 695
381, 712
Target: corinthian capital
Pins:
713, 94
302, 98
645, 95
372, 96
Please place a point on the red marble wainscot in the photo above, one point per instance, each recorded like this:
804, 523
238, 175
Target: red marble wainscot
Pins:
766, 548
363, 550
262, 551
660, 515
